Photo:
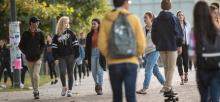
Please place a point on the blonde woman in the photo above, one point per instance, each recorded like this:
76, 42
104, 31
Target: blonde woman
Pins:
65, 50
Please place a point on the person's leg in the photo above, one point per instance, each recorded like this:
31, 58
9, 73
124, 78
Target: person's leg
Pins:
5, 77
116, 75
185, 62
80, 71
75, 71
62, 66
158, 75
70, 63
23, 71
202, 83
50, 70
151, 60
94, 59
215, 86
31, 69
171, 56
36, 76
163, 56
100, 72
130, 81
180, 68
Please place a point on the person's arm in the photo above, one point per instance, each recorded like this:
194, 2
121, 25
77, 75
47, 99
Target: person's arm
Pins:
55, 47
22, 43
154, 32
75, 44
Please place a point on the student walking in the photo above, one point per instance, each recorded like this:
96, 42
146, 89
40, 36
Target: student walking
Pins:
65, 50
183, 59
122, 64
32, 45
151, 56
167, 36
95, 60
205, 49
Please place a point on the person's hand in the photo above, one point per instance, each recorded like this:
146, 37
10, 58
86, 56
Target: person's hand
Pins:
179, 50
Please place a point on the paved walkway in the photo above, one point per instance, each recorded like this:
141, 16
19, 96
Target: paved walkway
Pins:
85, 92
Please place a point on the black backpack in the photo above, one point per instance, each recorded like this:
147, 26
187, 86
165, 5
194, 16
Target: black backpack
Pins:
209, 53
122, 42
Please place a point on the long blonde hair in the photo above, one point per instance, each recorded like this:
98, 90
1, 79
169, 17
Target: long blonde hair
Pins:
60, 28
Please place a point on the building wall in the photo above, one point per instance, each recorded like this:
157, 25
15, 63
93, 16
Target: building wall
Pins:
139, 7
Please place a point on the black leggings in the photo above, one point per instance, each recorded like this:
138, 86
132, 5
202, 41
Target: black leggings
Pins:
183, 59
23, 72
51, 65
79, 71
85, 68
8, 69
66, 65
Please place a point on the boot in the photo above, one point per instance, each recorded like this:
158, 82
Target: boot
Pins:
186, 78
96, 88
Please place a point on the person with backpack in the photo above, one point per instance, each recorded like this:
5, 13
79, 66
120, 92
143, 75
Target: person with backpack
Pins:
205, 51
183, 59
96, 60
122, 41
151, 56
32, 45
65, 50
167, 35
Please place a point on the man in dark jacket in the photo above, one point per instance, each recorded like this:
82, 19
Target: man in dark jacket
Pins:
167, 35
32, 45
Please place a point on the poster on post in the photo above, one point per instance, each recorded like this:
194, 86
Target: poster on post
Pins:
14, 37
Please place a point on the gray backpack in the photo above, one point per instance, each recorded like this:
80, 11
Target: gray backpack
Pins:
122, 42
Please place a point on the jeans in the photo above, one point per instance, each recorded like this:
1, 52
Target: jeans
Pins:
127, 73
151, 66
66, 65
209, 85
97, 70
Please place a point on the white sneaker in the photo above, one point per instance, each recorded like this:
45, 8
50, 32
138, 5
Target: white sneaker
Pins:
76, 83
69, 93
21, 86
3, 85
63, 92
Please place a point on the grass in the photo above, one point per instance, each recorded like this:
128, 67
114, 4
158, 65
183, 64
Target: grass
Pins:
43, 80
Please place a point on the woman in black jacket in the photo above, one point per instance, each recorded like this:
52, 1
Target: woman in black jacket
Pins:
96, 61
65, 46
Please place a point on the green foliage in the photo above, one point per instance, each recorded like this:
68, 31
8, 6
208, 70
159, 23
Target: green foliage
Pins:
80, 12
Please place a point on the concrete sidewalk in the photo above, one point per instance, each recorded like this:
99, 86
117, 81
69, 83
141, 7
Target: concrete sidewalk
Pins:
85, 91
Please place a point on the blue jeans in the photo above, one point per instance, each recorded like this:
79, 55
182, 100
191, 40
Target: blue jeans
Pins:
152, 67
97, 70
209, 85
127, 73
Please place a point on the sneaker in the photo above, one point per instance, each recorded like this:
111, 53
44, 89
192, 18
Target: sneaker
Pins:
3, 86
52, 82
164, 89
100, 90
21, 86
142, 91
76, 83
56, 81
69, 93
36, 95
63, 93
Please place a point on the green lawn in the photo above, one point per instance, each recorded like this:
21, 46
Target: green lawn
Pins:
43, 80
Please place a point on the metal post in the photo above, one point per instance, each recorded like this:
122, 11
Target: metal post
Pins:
15, 35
